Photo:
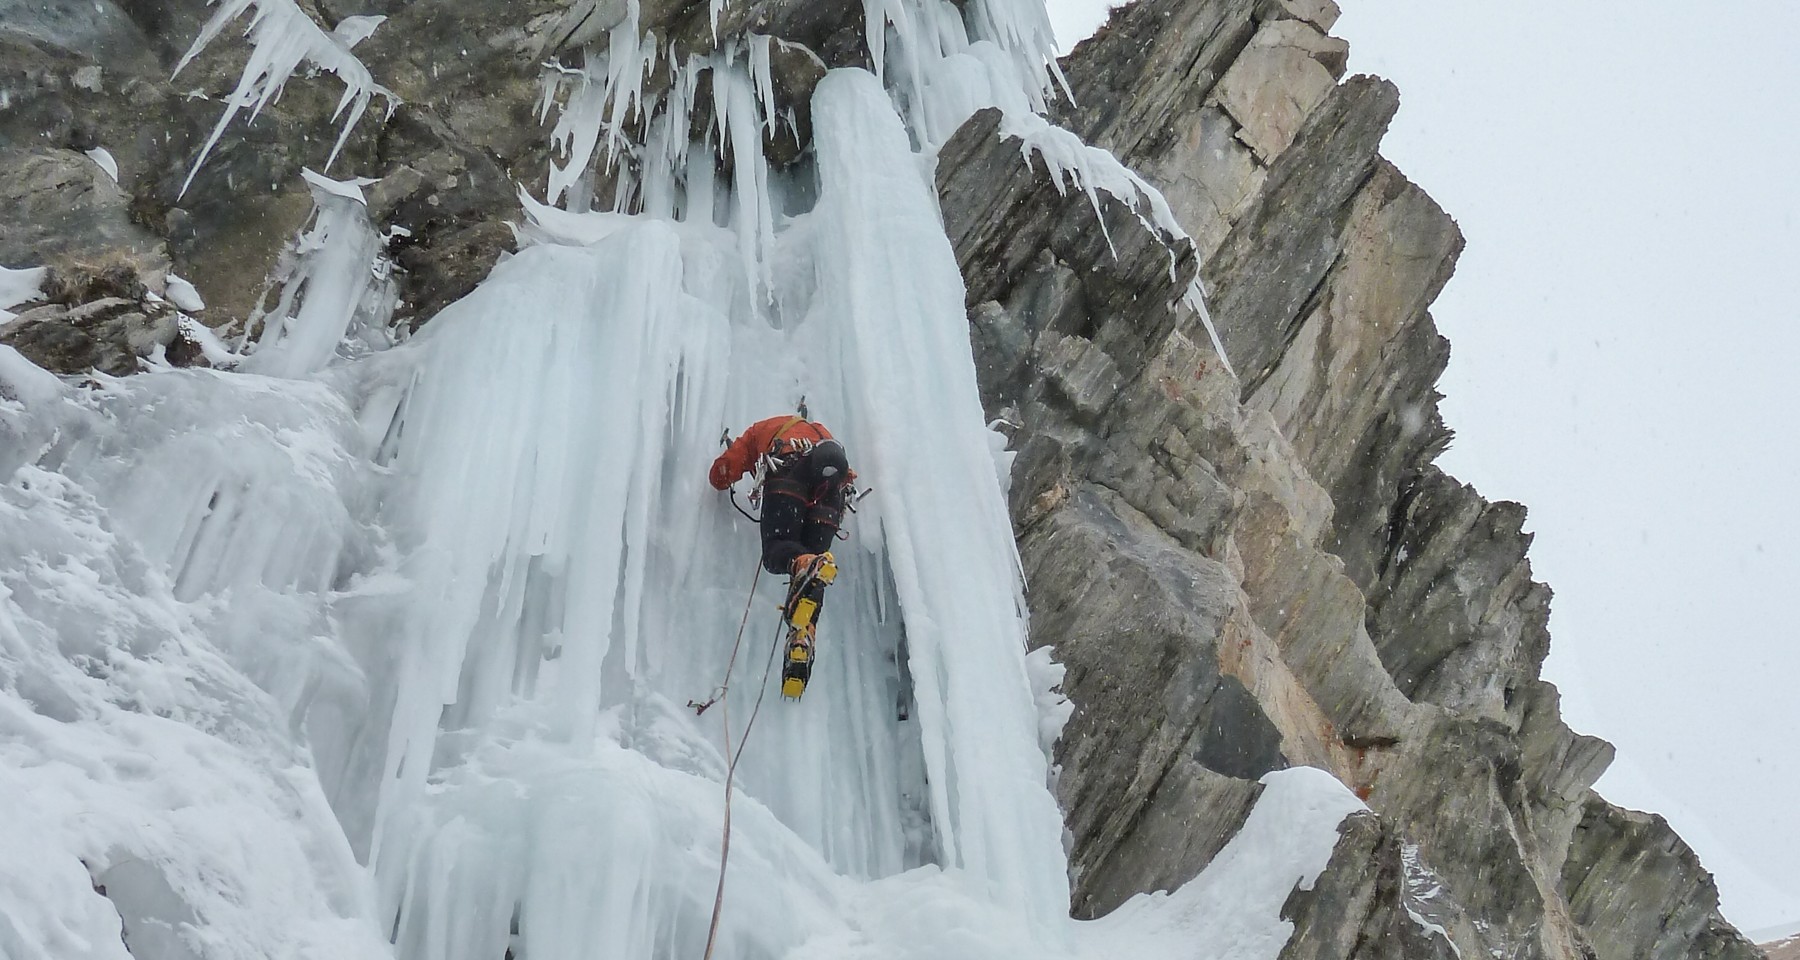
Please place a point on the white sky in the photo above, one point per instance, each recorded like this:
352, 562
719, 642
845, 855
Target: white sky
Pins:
1626, 360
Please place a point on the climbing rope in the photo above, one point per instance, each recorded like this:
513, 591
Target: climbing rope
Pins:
724, 685
740, 509
712, 930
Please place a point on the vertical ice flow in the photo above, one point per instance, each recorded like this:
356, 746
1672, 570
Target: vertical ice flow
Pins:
334, 282
889, 282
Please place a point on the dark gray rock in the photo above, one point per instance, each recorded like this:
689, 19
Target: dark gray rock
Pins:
61, 204
1128, 435
1468, 642
1156, 61
1135, 619
108, 335
1022, 241
1297, 220
1358, 909
1642, 894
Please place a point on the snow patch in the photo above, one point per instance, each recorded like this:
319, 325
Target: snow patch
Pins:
19, 286
1232, 910
24, 381
101, 156
132, 752
182, 294
215, 350
1422, 896
350, 189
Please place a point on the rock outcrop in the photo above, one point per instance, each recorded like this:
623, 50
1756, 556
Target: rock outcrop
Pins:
1240, 571
459, 133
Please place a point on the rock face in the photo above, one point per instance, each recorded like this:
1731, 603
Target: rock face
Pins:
1244, 573
1240, 572
463, 135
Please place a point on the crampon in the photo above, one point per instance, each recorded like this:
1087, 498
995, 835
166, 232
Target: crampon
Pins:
806, 593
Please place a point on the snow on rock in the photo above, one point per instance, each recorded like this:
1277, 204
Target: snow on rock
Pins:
25, 382
183, 295
19, 286
104, 158
1424, 898
283, 38
944, 75
28, 393
1232, 910
348, 189
213, 349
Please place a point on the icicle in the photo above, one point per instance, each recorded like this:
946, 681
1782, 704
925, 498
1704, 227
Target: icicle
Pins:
1196, 300
283, 37
765, 83
336, 285
577, 131
734, 104
699, 187
897, 340
1022, 28
608, 92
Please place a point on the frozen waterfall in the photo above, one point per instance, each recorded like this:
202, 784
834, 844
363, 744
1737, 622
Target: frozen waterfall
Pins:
373, 649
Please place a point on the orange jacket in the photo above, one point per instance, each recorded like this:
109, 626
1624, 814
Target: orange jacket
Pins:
764, 436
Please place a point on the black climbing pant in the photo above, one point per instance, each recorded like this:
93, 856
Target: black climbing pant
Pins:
803, 505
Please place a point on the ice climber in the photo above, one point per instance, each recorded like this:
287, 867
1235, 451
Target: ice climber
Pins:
806, 484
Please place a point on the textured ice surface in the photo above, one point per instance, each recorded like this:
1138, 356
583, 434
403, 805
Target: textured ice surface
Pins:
162, 546
334, 286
